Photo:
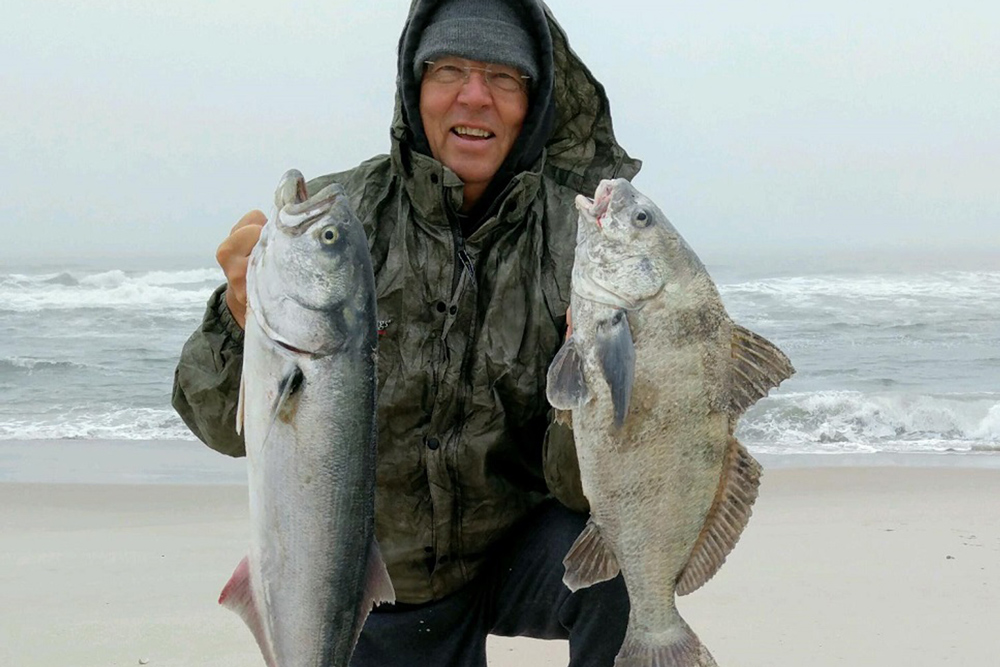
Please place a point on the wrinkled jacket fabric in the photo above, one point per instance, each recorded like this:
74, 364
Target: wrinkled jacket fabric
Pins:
468, 327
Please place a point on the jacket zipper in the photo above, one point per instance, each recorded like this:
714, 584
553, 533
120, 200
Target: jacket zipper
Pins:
462, 259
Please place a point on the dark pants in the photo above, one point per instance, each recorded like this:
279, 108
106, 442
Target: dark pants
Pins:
519, 594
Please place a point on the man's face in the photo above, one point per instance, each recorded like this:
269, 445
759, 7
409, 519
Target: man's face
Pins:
471, 126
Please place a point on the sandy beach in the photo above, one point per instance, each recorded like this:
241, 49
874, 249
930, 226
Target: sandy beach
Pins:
840, 566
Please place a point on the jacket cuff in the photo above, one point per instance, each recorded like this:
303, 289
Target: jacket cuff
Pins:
219, 311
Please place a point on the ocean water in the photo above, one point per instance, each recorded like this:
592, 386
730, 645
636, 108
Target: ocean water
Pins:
890, 360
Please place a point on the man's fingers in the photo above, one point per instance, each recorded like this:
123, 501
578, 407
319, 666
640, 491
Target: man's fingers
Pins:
237, 245
233, 255
236, 277
244, 239
255, 218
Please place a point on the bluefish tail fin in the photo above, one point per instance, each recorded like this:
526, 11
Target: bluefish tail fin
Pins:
684, 650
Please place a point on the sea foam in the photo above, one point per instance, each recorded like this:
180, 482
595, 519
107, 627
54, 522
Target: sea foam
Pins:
852, 421
154, 291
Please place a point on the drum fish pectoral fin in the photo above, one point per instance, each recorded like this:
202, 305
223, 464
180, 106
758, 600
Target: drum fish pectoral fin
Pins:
565, 386
616, 352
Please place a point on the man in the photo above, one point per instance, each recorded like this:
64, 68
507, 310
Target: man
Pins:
472, 231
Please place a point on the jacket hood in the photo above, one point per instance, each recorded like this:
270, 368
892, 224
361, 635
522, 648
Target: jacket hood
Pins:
569, 119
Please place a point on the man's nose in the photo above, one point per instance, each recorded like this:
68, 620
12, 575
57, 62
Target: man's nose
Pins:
475, 91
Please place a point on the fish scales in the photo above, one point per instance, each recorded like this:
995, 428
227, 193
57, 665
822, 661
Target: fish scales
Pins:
654, 374
307, 411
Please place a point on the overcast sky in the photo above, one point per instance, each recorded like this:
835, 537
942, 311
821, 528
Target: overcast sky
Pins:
148, 128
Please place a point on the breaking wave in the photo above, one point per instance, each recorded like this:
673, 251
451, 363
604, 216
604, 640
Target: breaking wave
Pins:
20, 365
855, 422
943, 284
900, 305
111, 424
116, 289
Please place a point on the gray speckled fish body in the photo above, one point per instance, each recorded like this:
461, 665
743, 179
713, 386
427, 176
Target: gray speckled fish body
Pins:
655, 376
307, 412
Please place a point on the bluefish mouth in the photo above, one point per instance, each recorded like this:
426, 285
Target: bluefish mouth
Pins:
297, 217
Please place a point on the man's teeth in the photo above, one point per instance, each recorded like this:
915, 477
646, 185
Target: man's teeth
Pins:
473, 132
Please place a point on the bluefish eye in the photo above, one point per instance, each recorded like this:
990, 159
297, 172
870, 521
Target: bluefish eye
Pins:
643, 218
329, 235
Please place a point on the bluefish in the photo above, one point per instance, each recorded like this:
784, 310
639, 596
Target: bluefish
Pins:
307, 412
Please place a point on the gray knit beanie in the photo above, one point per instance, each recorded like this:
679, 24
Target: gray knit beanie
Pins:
489, 31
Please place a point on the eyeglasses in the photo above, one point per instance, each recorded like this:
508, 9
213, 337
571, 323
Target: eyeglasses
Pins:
447, 72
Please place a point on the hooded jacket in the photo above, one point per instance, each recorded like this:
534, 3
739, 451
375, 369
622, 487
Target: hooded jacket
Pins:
468, 327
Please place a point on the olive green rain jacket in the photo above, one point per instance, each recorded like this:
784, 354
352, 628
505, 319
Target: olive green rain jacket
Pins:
468, 327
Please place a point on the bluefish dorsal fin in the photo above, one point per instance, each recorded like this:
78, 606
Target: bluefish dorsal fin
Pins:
589, 561
616, 351
758, 366
565, 386
726, 519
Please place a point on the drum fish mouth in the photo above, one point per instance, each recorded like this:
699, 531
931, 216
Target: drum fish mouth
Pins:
597, 212
595, 209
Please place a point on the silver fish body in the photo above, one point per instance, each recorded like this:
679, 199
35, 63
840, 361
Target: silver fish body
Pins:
307, 411
655, 376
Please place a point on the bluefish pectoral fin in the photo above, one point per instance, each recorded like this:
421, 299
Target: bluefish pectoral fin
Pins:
589, 560
287, 400
237, 595
726, 519
758, 366
565, 386
617, 355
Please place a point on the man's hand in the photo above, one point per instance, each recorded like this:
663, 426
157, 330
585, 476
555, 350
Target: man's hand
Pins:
569, 324
233, 256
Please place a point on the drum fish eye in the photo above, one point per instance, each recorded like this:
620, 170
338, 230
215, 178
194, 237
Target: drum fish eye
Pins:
642, 218
329, 235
